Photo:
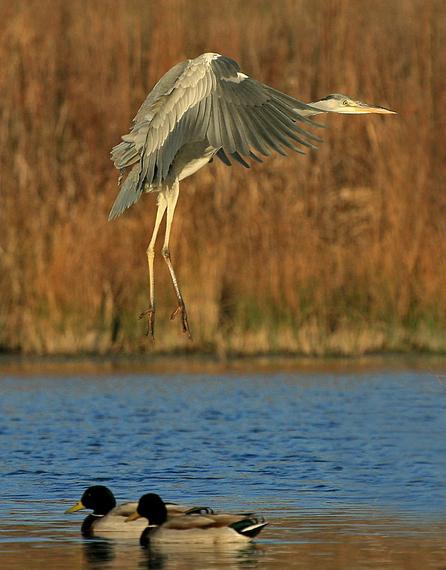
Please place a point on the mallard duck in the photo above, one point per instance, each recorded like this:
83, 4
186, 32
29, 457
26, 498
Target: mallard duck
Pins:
109, 518
193, 527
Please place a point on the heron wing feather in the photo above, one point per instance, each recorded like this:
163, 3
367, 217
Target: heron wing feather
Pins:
253, 116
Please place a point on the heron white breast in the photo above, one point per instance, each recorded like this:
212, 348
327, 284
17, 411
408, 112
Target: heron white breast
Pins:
191, 158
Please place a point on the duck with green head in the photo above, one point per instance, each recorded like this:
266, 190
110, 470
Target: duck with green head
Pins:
108, 517
202, 528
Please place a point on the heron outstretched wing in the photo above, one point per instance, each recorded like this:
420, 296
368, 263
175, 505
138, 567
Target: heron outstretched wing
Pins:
206, 98
248, 115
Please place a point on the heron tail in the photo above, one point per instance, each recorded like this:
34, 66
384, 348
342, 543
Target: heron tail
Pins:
129, 193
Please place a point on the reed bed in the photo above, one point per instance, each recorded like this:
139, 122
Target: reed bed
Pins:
339, 252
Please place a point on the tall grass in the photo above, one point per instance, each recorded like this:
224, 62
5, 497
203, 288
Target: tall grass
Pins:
341, 251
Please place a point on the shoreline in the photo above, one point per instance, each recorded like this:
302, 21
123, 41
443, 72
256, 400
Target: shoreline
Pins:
172, 363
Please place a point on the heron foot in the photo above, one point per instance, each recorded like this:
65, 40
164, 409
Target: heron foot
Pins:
181, 309
150, 314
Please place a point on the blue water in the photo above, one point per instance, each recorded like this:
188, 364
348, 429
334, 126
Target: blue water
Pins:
287, 445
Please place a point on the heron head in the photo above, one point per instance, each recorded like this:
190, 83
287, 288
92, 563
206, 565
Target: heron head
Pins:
338, 103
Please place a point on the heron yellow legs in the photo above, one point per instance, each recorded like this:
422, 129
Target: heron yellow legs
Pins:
167, 200
172, 198
150, 312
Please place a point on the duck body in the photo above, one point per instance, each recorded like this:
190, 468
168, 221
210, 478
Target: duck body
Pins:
202, 528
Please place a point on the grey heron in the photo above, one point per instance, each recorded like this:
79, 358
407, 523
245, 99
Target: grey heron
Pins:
201, 108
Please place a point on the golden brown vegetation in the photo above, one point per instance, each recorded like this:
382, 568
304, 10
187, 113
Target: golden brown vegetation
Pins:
341, 251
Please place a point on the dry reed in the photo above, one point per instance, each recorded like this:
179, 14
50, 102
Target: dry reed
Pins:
342, 251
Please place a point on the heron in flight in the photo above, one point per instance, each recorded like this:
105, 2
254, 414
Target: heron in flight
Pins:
201, 108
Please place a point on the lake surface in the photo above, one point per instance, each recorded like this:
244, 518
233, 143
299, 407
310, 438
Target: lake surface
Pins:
348, 467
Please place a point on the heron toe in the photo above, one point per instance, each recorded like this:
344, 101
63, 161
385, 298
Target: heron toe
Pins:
150, 314
181, 309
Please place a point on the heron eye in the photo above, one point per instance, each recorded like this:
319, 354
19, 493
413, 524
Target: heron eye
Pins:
345, 102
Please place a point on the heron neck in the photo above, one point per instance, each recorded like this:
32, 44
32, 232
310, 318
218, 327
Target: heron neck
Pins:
318, 107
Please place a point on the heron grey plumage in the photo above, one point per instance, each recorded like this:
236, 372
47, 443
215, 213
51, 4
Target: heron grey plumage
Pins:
201, 108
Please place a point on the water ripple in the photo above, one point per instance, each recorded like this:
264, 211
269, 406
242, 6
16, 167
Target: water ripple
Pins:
286, 444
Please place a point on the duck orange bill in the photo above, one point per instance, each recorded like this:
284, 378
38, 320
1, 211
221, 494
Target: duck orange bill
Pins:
77, 507
133, 517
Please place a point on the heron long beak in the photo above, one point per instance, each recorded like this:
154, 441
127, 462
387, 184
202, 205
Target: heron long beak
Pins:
364, 108
133, 517
77, 507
